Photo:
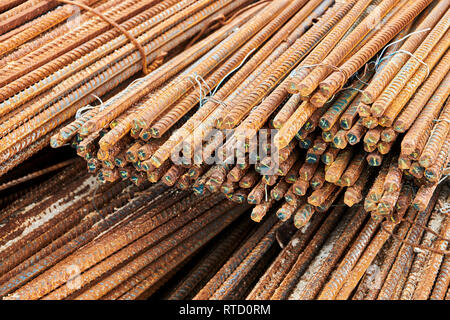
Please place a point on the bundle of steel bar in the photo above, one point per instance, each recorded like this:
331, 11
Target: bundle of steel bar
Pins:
294, 107
54, 65
361, 260
75, 238
79, 239
342, 255
274, 114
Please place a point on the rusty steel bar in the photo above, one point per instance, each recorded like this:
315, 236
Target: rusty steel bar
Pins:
381, 79
140, 262
298, 268
207, 267
78, 240
215, 282
309, 286
149, 276
403, 259
406, 14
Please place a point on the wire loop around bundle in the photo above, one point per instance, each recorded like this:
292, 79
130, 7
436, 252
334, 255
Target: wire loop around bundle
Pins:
410, 54
81, 112
199, 80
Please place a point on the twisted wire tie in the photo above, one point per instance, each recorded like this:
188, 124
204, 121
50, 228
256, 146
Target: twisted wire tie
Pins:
443, 178
410, 54
360, 80
198, 79
80, 112
134, 82
379, 59
102, 105
356, 89
346, 88
238, 67
210, 98
118, 27
376, 63
356, 74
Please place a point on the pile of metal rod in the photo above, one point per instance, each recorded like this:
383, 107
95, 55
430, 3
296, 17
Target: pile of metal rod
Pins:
342, 255
361, 260
59, 62
76, 238
307, 69
351, 256
295, 108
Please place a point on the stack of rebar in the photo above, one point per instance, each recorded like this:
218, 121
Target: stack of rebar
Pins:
61, 61
75, 238
342, 255
362, 261
294, 107
311, 82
